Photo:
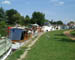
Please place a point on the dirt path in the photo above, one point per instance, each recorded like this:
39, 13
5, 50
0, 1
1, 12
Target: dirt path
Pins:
29, 47
67, 33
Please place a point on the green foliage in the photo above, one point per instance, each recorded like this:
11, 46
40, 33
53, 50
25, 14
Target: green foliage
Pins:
3, 24
22, 20
13, 16
56, 22
16, 17
27, 20
71, 22
3, 28
2, 15
38, 17
73, 33
46, 20
59, 22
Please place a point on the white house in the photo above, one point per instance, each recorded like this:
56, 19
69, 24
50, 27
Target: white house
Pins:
51, 28
46, 28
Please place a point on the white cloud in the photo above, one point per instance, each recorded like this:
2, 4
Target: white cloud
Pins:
61, 3
6, 2
53, 0
57, 2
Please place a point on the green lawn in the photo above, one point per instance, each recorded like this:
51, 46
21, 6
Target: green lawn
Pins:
73, 32
52, 46
16, 55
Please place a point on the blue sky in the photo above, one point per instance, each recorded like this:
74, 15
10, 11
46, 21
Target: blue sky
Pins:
53, 9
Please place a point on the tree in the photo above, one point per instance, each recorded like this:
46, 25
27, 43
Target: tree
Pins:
59, 22
38, 17
27, 20
56, 22
46, 20
17, 18
51, 22
71, 23
2, 15
3, 28
13, 16
22, 21
3, 24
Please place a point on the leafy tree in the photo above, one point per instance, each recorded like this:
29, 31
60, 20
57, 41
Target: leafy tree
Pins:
12, 14
3, 28
59, 22
53, 22
2, 15
22, 21
71, 22
38, 17
3, 24
46, 20
17, 18
56, 22
27, 20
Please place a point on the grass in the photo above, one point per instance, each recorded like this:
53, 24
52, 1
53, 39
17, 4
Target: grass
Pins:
52, 46
73, 32
16, 55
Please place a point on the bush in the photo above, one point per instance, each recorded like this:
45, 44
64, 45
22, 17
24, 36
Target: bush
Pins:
3, 28
73, 32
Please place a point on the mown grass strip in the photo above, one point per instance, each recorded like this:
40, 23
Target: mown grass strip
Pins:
73, 33
53, 46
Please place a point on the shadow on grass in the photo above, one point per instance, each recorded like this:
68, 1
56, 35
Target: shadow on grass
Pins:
66, 40
59, 34
63, 38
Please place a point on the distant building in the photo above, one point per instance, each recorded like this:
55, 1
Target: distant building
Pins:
46, 28
64, 27
53, 27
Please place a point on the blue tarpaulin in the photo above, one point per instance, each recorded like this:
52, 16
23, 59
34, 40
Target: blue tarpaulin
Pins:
16, 34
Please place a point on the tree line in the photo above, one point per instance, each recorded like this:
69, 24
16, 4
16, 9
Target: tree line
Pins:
12, 17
